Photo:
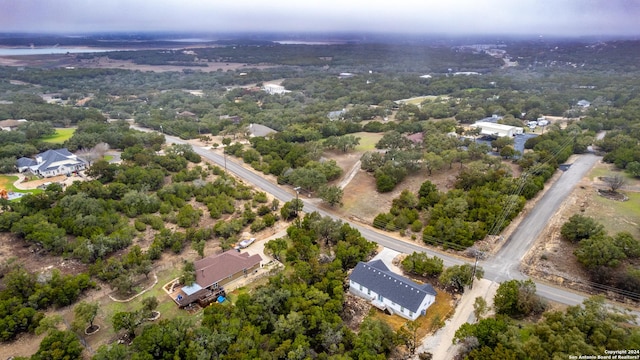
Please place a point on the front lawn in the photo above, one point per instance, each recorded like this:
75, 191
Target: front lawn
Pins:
61, 135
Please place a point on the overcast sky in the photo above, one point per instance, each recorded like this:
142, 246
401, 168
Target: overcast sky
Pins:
531, 17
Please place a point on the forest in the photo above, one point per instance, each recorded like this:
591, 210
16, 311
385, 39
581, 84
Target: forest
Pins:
168, 191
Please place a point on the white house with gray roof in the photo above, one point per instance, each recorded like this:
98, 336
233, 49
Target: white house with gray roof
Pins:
51, 163
389, 291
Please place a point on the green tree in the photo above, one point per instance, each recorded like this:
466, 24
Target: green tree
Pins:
421, 264
599, 250
457, 277
59, 345
332, 195
580, 227
517, 298
188, 274
432, 161
633, 168
276, 248
127, 321
480, 307
85, 313
149, 305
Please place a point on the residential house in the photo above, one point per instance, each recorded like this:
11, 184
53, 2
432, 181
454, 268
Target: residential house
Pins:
212, 273
11, 124
389, 291
257, 130
186, 114
336, 115
416, 139
51, 163
584, 103
274, 89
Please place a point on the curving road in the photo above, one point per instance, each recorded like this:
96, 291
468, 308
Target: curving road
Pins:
505, 265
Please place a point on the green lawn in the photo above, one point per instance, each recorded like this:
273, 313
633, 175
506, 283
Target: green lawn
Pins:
6, 183
367, 140
61, 135
108, 158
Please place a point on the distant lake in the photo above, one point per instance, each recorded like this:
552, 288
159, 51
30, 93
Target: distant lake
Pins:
296, 42
48, 51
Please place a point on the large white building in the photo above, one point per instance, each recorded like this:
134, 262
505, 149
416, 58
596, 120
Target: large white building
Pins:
389, 291
274, 89
51, 163
499, 130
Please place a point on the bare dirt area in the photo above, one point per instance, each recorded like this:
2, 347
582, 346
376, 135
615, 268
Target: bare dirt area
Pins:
103, 62
551, 258
362, 202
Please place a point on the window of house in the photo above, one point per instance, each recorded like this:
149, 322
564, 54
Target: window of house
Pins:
401, 309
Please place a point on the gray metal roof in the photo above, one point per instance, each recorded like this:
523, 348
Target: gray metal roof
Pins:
23, 161
376, 276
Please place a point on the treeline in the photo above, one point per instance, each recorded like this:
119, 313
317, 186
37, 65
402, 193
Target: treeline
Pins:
379, 57
292, 163
485, 198
25, 296
590, 329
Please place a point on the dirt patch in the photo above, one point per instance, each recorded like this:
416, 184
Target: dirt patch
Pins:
354, 310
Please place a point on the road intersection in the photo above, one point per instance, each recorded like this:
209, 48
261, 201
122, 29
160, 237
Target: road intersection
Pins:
505, 265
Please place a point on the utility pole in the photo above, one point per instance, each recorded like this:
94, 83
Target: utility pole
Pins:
297, 189
475, 266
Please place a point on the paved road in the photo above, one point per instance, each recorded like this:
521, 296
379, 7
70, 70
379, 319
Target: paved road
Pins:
503, 266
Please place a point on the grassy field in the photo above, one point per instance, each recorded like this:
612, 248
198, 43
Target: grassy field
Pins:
616, 216
367, 140
61, 135
418, 100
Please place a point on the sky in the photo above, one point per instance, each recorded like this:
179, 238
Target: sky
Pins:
455, 17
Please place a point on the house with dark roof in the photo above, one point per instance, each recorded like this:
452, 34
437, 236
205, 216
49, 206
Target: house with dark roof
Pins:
389, 291
51, 163
336, 115
212, 273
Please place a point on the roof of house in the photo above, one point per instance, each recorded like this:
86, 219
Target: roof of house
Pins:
417, 138
336, 114
25, 162
260, 130
376, 276
49, 158
213, 269
12, 122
